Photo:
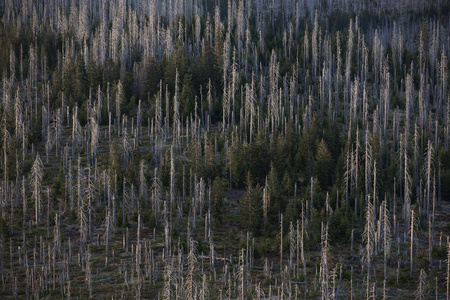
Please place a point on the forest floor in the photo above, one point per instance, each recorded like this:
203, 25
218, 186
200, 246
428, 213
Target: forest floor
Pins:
119, 277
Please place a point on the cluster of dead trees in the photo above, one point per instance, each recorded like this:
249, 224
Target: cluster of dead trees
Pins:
197, 149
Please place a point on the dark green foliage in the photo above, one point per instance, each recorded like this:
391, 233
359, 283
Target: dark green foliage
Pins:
4, 230
340, 227
323, 165
439, 253
250, 206
177, 62
129, 101
218, 193
275, 191
307, 145
188, 99
206, 67
314, 230
252, 158
154, 75
288, 186
445, 175
75, 84
318, 194
338, 20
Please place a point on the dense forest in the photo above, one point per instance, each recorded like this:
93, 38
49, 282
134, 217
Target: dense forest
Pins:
224, 149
